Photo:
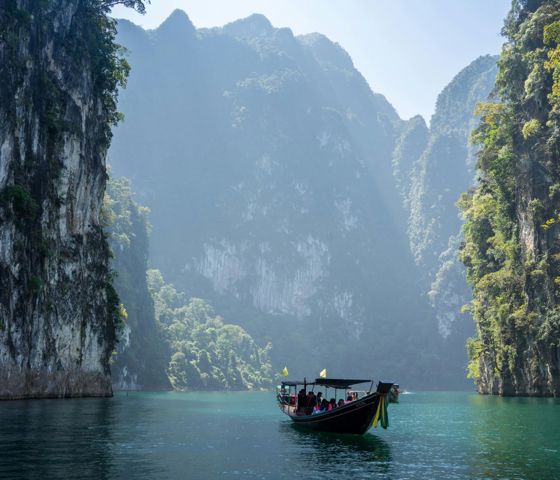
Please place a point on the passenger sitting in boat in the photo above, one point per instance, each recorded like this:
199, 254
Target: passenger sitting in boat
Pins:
319, 401
348, 398
311, 402
302, 402
332, 404
341, 402
322, 406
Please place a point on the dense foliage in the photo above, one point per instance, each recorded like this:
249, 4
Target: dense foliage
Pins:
512, 244
206, 353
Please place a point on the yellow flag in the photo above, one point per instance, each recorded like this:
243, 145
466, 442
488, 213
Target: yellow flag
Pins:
285, 372
323, 373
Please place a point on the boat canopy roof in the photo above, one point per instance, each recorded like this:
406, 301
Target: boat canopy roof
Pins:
339, 382
327, 382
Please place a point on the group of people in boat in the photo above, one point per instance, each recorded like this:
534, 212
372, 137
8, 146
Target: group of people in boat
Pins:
310, 404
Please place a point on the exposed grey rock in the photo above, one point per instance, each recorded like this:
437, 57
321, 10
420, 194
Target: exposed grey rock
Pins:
56, 331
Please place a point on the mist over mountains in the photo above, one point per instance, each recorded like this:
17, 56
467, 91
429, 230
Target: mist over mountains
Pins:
433, 167
295, 200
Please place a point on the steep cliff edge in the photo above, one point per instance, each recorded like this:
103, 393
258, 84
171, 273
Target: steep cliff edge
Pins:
512, 229
59, 69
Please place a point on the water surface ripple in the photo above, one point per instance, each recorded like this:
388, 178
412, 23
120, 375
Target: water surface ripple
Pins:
243, 435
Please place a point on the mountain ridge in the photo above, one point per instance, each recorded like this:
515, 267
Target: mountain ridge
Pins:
305, 219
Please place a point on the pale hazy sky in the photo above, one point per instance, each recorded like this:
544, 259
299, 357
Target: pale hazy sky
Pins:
408, 50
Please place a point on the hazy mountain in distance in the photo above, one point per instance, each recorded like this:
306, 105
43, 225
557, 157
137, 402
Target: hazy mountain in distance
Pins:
266, 161
432, 168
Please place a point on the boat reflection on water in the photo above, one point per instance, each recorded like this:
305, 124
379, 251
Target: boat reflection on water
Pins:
337, 452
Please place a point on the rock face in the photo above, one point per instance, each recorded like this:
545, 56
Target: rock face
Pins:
57, 306
265, 160
512, 246
432, 167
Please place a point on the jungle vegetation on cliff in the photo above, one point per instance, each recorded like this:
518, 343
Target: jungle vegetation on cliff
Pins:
512, 243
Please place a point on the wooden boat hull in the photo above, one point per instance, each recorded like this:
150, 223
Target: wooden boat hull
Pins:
355, 417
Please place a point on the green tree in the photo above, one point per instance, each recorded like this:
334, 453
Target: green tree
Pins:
205, 352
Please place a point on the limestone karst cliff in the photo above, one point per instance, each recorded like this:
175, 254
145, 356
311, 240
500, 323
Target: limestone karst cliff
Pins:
512, 247
59, 69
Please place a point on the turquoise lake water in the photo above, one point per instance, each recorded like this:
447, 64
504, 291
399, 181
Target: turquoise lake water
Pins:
244, 435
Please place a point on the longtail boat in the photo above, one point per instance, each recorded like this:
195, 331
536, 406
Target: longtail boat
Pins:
356, 414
